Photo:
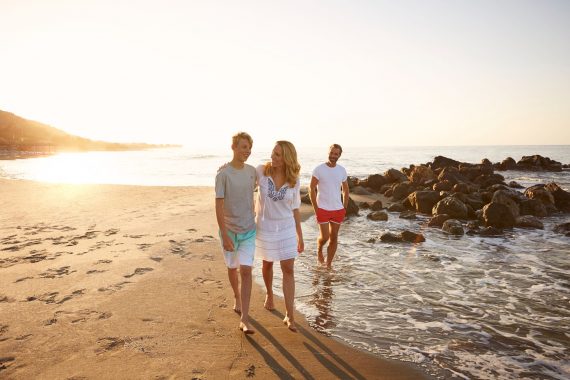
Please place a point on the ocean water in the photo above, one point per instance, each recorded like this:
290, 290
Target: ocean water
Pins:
465, 307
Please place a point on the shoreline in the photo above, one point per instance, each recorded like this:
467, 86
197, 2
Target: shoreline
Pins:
120, 280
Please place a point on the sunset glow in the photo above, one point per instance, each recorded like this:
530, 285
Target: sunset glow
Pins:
365, 73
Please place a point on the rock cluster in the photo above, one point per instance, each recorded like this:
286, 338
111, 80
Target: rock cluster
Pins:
456, 192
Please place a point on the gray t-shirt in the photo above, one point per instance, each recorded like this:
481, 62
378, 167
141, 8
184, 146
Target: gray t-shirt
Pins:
236, 187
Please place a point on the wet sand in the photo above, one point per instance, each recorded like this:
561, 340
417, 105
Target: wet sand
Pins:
102, 281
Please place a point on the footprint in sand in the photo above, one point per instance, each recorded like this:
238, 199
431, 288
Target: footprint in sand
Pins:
144, 246
134, 236
49, 298
112, 231
79, 316
104, 262
157, 259
4, 360
115, 287
139, 271
94, 271
7, 299
56, 272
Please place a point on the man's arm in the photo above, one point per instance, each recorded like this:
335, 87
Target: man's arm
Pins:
226, 241
313, 193
345, 194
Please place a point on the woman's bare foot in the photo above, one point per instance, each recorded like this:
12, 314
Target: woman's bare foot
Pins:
237, 306
320, 258
246, 328
268, 304
290, 324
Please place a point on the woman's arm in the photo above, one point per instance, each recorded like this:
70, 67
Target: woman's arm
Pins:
300, 242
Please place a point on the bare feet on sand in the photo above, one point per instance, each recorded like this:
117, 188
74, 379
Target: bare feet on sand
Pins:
290, 324
237, 306
245, 328
268, 304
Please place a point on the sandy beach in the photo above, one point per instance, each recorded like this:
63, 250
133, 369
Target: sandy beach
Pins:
102, 281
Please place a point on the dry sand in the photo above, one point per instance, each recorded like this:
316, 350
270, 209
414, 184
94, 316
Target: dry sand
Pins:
128, 282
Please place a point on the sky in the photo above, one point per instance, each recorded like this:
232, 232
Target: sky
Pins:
354, 72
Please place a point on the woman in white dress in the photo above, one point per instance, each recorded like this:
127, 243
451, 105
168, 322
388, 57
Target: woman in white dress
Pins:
279, 235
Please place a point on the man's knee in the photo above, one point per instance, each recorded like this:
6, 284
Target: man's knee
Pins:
245, 271
334, 238
323, 239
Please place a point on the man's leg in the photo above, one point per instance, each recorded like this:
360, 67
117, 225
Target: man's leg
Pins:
267, 271
331, 249
245, 274
321, 241
234, 282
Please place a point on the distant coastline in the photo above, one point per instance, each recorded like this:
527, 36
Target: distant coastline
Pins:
22, 138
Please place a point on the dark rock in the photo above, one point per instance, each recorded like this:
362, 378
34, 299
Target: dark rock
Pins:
498, 215
371, 240
508, 164
538, 163
529, 221
443, 162
461, 188
376, 181
352, 182
408, 215
412, 237
533, 207
475, 200
452, 207
515, 185
561, 197
442, 186
364, 205
453, 226
423, 201
491, 231
378, 216
540, 193
396, 207
402, 190
437, 220
452, 175
376, 206
352, 209
359, 190
563, 228
306, 199
506, 198
421, 174
389, 237
393, 175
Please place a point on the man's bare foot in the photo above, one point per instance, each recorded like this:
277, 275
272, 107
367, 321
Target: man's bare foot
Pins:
290, 324
246, 328
237, 306
268, 304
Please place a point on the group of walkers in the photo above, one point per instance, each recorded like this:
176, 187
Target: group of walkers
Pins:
272, 227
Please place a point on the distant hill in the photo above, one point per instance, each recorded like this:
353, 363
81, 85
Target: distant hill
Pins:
17, 133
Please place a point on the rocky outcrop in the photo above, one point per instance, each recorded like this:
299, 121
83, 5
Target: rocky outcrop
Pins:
452, 207
529, 221
453, 227
561, 197
378, 216
563, 229
423, 201
498, 215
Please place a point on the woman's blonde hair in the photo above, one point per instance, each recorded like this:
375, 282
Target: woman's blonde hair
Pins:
292, 167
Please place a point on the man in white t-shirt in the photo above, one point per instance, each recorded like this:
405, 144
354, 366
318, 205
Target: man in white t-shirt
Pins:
326, 183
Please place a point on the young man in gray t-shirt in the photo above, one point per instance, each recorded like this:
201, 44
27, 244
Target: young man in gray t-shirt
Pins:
235, 184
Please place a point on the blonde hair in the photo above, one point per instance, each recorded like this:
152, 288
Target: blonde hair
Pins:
241, 135
292, 167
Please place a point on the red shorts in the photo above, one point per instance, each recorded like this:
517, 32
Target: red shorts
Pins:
326, 216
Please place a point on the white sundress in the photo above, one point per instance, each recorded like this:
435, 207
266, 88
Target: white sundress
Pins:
276, 235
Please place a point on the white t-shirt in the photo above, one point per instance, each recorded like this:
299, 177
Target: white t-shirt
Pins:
274, 207
329, 186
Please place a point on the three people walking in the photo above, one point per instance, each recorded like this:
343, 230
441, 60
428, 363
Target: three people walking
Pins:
275, 230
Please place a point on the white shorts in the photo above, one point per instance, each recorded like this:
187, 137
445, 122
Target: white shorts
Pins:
244, 249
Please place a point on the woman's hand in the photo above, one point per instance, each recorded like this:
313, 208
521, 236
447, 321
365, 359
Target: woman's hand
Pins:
300, 245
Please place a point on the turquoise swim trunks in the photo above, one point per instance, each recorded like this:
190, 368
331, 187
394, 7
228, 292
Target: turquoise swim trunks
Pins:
244, 245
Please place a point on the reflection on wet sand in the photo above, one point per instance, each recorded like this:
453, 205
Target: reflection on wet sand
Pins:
322, 300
